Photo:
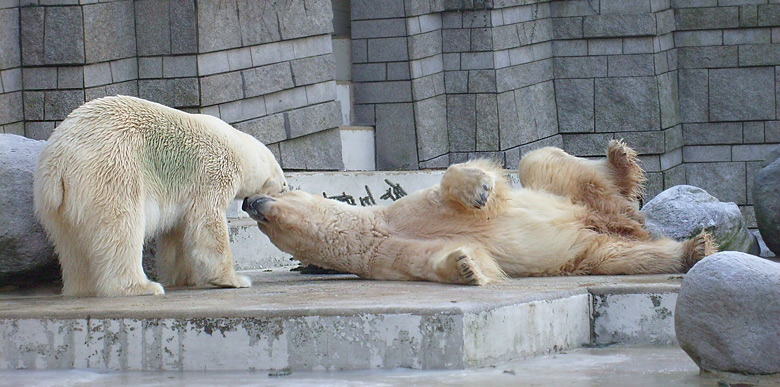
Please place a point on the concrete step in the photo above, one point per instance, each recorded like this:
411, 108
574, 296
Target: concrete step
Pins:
338, 322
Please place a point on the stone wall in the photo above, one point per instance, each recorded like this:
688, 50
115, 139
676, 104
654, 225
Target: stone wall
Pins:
690, 84
265, 67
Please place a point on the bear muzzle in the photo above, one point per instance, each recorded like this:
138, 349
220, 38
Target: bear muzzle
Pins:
256, 205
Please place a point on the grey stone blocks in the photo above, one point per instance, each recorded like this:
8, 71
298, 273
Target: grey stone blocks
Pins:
707, 18
626, 104
109, 31
575, 103
742, 94
52, 35
9, 38
618, 25
395, 137
301, 122
296, 154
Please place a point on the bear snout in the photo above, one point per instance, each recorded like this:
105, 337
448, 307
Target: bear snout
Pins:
254, 206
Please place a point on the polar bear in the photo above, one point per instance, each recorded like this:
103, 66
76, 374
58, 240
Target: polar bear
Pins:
120, 169
473, 228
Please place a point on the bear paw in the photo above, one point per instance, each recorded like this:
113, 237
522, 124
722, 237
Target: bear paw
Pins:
471, 187
147, 288
238, 281
467, 268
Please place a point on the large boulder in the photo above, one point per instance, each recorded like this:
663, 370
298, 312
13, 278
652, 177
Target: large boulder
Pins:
766, 201
24, 248
727, 316
683, 211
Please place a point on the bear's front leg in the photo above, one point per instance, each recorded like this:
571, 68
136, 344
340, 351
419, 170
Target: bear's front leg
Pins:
207, 244
473, 185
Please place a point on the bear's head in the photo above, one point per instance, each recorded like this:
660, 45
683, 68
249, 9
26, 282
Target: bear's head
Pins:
263, 174
303, 224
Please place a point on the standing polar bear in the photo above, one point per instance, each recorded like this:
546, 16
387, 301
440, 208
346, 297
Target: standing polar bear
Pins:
575, 216
120, 169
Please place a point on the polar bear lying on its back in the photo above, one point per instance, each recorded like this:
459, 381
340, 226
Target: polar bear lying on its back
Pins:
576, 216
120, 169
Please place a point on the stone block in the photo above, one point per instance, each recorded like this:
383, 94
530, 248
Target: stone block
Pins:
150, 67
9, 39
487, 123
708, 57
285, 100
109, 31
41, 78
698, 38
742, 94
39, 130
221, 88
457, 40
218, 25
153, 26
630, 65
382, 28
383, 92
97, 74
706, 153
127, 69
259, 22
420, 46
16, 128
753, 132
461, 122
183, 27
359, 50
450, 61
426, 66
305, 18
395, 137
369, 72
712, 133
581, 144
482, 81
428, 86
52, 35
239, 58
11, 108
417, 7
456, 81
626, 104
521, 55
123, 88
441, 162
544, 110
211, 63
387, 50
605, 46
369, 9
57, 104
313, 70
772, 132
67, 78
509, 123
242, 110
670, 160
769, 15
398, 71
610, 26
567, 28
748, 15
570, 47
321, 92
625, 7
11, 80
31, 24
33, 105
364, 115
665, 22
272, 53
536, 31
516, 77
268, 129
574, 101
752, 152
669, 97
580, 67
476, 19
759, 55
694, 95
430, 118
296, 154
747, 36
573, 8
481, 39
711, 178
176, 92
707, 18
451, 20
316, 118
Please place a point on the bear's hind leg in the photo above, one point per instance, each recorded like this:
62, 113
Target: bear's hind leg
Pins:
464, 265
207, 244
77, 277
619, 256
625, 171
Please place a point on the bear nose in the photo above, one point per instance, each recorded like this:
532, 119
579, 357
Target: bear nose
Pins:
254, 205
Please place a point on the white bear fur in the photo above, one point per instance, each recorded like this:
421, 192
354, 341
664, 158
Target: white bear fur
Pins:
119, 170
473, 228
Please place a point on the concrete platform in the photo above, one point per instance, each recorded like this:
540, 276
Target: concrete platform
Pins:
289, 321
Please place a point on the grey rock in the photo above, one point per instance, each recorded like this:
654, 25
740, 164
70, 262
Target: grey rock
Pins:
109, 31
24, 247
683, 211
727, 316
766, 201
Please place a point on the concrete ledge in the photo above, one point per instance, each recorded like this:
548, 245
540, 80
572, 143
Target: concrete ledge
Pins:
304, 322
